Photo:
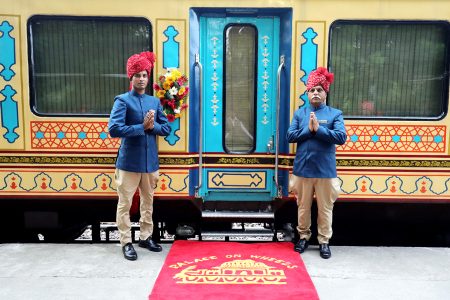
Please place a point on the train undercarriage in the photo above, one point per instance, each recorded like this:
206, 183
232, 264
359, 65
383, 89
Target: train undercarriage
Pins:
381, 224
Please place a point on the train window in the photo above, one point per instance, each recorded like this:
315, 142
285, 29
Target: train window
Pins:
77, 64
240, 45
390, 69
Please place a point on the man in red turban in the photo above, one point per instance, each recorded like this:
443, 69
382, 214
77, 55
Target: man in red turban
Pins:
137, 119
316, 129
143, 61
321, 77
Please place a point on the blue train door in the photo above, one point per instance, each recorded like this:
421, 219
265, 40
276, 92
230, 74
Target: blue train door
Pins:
240, 58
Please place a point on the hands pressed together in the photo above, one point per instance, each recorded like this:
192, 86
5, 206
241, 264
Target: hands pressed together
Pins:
149, 120
313, 124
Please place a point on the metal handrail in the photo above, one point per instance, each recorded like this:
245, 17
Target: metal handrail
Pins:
277, 121
200, 126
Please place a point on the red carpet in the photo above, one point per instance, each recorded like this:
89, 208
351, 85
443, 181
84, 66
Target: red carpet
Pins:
229, 270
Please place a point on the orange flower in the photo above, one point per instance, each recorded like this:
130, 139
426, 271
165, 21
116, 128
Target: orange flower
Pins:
160, 93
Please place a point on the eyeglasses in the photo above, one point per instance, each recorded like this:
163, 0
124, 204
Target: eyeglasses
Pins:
319, 90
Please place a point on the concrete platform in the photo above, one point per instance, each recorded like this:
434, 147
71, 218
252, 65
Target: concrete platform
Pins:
99, 271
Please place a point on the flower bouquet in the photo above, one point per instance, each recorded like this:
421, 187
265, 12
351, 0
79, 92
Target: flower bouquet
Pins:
172, 90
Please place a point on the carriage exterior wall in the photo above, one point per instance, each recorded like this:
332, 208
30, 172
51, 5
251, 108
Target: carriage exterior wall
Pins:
66, 157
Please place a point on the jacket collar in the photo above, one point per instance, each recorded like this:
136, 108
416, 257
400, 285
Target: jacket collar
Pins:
136, 94
313, 108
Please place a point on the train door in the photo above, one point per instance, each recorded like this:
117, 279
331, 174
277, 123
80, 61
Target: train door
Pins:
240, 58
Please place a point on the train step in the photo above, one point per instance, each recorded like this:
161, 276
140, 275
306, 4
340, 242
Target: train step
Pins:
240, 216
247, 234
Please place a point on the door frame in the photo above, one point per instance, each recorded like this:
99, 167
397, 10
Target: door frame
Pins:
285, 16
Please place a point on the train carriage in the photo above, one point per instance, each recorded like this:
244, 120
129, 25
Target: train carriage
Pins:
227, 158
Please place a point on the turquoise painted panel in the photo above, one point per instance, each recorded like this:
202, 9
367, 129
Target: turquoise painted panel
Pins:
172, 138
308, 59
249, 192
212, 60
248, 180
7, 51
211, 45
10, 114
268, 59
171, 59
171, 49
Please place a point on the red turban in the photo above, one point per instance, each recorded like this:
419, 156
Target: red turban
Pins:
321, 77
140, 62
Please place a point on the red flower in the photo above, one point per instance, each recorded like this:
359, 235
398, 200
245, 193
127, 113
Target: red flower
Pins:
186, 91
170, 117
156, 87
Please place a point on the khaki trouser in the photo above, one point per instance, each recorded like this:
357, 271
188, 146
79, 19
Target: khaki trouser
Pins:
127, 183
326, 190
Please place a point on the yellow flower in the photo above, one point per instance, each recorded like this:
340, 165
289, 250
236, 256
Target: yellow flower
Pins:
181, 102
161, 93
182, 90
166, 85
176, 74
169, 79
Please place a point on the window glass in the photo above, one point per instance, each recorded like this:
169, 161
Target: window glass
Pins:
240, 89
389, 68
78, 64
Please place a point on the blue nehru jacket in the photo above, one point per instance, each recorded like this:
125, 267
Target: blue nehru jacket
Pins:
316, 152
138, 151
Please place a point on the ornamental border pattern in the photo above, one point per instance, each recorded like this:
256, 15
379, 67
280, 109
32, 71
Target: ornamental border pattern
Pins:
71, 135
266, 58
391, 163
360, 138
395, 185
232, 161
102, 183
57, 160
395, 138
216, 79
73, 182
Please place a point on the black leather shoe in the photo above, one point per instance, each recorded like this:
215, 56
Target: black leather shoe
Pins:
301, 245
129, 252
150, 245
325, 251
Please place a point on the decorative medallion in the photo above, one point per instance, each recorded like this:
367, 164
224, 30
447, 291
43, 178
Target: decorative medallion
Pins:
245, 271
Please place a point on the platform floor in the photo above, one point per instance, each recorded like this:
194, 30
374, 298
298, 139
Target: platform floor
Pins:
99, 271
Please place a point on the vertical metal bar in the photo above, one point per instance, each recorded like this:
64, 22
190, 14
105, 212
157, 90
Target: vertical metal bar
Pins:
277, 124
96, 237
200, 126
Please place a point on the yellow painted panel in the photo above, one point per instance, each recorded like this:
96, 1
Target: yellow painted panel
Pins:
299, 86
160, 38
392, 185
57, 182
83, 183
173, 183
